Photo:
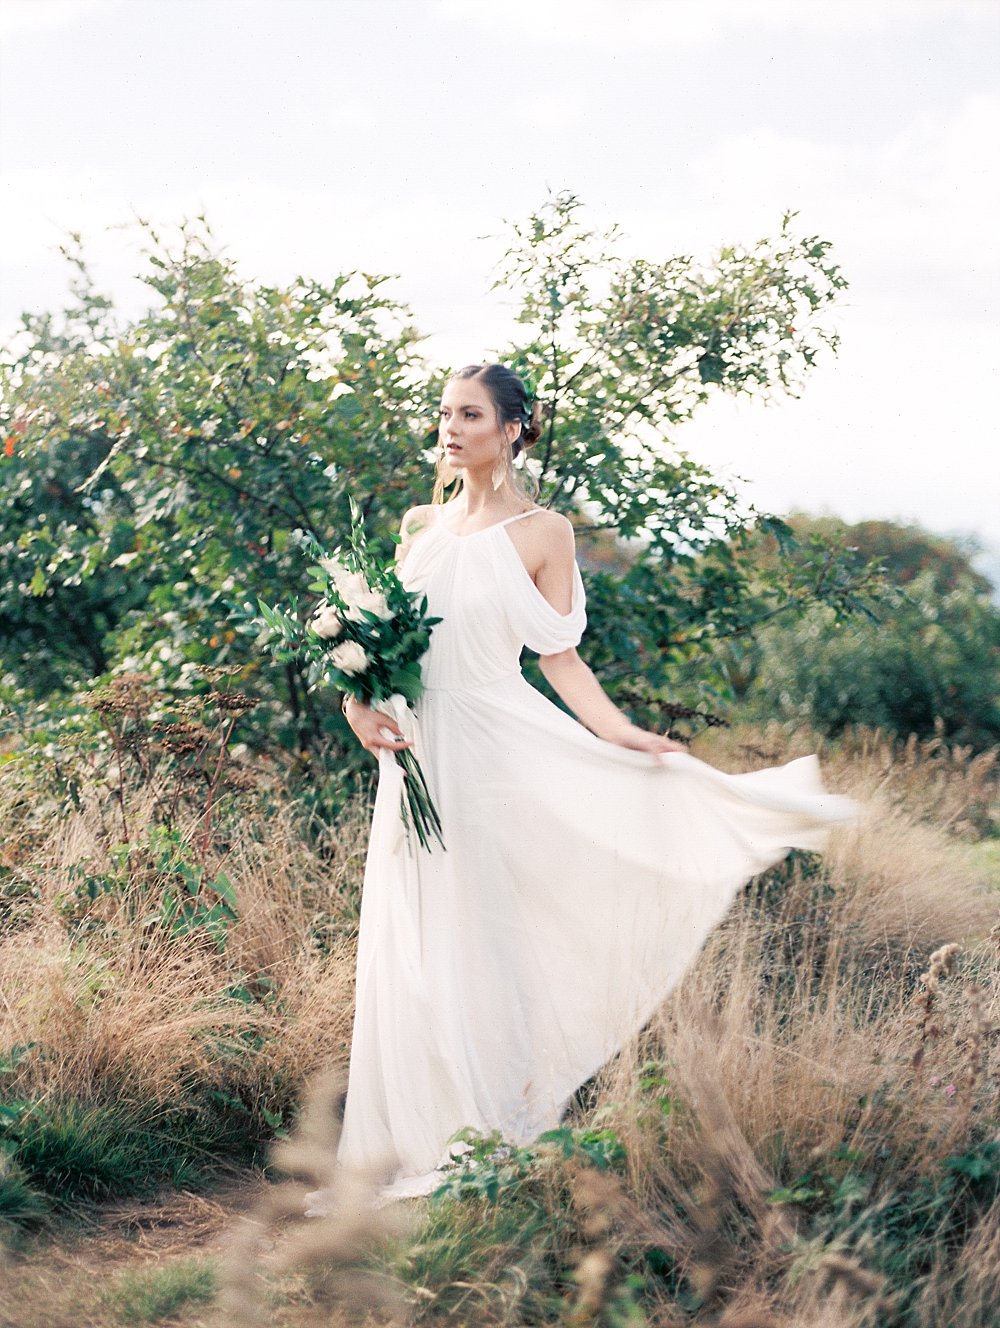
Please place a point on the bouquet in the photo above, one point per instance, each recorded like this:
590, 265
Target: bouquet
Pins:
366, 638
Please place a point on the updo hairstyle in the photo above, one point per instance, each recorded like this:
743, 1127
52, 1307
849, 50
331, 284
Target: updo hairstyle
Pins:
510, 397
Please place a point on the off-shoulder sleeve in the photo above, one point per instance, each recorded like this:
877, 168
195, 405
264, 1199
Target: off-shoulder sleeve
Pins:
541, 628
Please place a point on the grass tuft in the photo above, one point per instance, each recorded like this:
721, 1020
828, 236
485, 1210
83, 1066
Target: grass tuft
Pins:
21, 1203
152, 1295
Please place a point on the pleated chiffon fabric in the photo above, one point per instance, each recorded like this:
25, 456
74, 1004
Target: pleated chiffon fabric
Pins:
578, 882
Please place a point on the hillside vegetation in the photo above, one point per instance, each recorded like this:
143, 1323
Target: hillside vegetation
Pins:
806, 1133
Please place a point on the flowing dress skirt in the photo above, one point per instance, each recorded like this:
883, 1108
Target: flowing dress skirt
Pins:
579, 880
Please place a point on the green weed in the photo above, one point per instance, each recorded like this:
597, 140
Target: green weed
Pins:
75, 1152
476, 1260
907, 1228
154, 1294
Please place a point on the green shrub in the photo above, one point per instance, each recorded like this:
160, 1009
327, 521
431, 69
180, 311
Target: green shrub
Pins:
75, 1153
906, 1227
928, 660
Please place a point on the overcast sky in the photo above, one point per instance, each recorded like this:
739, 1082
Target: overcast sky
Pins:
390, 135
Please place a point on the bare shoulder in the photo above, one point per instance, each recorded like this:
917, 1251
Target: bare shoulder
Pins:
554, 532
544, 541
415, 519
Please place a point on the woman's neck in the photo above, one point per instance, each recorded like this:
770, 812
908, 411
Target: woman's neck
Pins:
480, 496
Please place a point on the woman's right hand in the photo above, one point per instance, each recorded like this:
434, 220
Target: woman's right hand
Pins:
373, 729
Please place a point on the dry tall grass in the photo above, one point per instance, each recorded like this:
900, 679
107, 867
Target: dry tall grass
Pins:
111, 1001
818, 1045
805, 1091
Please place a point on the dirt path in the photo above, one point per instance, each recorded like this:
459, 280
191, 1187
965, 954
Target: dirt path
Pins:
160, 1262
128, 1261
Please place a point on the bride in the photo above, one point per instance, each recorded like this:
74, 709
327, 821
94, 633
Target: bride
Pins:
586, 859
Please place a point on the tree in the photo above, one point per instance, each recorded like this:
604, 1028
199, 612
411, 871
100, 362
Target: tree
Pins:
151, 474
155, 473
929, 660
623, 352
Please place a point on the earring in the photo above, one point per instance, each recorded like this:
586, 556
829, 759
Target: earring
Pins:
503, 467
444, 476
445, 472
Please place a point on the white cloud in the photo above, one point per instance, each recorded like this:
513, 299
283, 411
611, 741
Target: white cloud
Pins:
555, 111
894, 428
18, 16
613, 24
912, 216
898, 423
273, 231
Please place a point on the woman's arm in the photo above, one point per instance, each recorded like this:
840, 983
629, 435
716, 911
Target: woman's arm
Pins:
566, 672
576, 684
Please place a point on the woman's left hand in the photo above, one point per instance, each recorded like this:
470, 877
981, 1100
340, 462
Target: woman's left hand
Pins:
641, 740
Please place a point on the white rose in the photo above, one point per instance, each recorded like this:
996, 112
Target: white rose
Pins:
357, 594
352, 587
326, 622
334, 566
380, 606
208, 428
349, 657
372, 601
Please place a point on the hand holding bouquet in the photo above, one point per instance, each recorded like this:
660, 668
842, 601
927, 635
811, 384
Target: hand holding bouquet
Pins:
366, 638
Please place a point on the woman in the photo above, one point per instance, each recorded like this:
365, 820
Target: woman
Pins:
586, 861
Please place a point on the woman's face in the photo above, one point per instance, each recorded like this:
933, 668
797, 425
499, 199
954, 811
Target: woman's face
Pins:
468, 427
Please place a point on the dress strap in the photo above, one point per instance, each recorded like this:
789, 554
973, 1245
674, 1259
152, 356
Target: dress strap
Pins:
517, 517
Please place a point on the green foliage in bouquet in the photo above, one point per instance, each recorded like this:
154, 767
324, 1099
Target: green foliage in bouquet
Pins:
366, 637
368, 634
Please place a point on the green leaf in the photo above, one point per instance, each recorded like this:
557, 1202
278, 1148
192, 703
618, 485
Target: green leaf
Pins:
798, 1194
224, 887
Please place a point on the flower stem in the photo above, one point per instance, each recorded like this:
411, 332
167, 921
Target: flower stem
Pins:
418, 808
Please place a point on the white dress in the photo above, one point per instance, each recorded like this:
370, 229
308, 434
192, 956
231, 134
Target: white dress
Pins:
578, 882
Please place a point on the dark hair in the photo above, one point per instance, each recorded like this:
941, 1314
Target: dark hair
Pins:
511, 400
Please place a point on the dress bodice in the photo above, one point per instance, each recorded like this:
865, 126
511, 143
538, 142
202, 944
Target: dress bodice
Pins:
489, 606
